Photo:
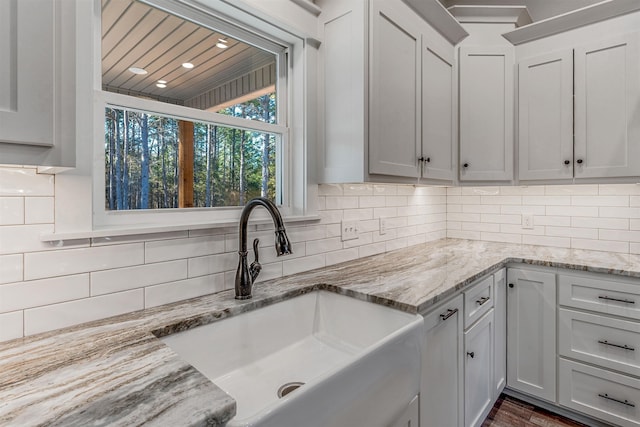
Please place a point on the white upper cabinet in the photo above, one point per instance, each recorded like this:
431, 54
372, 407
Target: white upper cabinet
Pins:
394, 89
438, 111
486, 113
545, 93
607, 117
37, 82
387, 105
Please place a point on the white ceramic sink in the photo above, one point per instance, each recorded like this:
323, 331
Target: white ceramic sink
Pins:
360, 362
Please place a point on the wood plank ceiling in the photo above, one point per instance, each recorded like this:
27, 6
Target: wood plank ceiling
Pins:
137, 35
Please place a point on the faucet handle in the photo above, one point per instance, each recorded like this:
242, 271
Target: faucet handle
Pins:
255, 267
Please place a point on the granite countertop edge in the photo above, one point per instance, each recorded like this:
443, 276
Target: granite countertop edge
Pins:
117, 372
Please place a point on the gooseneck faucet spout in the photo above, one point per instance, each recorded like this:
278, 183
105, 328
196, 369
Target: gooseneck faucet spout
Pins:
246, 275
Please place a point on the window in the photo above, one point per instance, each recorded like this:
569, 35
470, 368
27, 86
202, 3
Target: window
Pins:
205, 124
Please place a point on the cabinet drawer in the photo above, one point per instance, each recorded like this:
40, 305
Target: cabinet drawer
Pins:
600, 393
605, 341
605, 296
478, 300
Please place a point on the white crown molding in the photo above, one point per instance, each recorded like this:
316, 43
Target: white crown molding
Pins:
517, 15
439, 18
568, 21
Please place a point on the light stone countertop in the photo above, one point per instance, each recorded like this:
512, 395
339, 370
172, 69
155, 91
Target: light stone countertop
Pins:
116, 372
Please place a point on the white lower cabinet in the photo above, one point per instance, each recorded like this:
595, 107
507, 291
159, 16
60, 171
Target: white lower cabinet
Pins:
478, 371
531, 332
463, 367
441, 388
603, 394
411, 416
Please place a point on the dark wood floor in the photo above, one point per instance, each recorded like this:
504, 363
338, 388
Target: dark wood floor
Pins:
511, 412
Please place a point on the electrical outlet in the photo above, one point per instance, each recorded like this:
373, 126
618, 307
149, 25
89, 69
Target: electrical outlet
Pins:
527, 222
383, 225
349, 230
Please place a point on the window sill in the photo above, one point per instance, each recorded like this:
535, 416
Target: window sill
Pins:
137, 231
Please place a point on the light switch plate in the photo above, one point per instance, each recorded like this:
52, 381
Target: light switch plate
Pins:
349, 230
527, 222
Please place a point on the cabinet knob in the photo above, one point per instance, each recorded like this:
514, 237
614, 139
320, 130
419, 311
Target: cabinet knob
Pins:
466, 165
428, 159
567, 162
471, 354
511, 285
421, 159
579, 161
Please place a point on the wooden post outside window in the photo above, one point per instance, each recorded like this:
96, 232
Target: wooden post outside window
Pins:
185, 164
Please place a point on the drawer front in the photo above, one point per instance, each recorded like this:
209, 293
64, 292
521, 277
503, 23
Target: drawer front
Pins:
606, 395
604, 296
478, 300
605, 341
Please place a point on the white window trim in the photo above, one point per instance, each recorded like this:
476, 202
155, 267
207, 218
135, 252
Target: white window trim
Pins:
296, 185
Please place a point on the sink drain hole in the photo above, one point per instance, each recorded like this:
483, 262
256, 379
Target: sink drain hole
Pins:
288, 388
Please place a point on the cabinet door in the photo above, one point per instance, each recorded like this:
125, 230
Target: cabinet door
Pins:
478, 371
395, 96
438, 113
545, 113
607, 119
531, 336
441, 390
486, 113
411, 416
27, 72
500, 322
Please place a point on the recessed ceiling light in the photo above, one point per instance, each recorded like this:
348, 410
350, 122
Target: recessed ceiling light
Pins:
187, 65
161, 85
162, 82
138, 70
222, 44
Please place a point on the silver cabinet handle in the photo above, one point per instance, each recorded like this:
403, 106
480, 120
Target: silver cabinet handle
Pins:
624, 402
448, 314
482, 300
624, 346
626, 301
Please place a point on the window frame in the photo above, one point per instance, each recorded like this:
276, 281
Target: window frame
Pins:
291, 118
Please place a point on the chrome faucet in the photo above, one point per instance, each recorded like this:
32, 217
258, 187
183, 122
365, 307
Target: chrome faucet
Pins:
246, 276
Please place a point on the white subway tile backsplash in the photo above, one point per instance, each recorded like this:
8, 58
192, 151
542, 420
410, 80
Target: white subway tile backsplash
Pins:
568, 190
547, 200
11, 210
371, 249
56, 316
522, 210
11, 268
385, 212
135, 238
357, 214
572, 211
501, 219
600, 245
183, 289
471, 235
582, 233
402, 200
556, 221
608, 223
558, 242
11, 325
330, 190
481, 209
480, 226
324, 245
357, 189
25, 182
303, 264
165, 250
618, 212
211, 264
634, 201
372, 202
480, 191
464, 217
392, 190
342, 255
399, 243
501, 237
123, 279
23, 238
620, 235
537, 190
341, 202
38, 210
38, 265
517, 229
35, 293
600, 201
619, 189
501, 200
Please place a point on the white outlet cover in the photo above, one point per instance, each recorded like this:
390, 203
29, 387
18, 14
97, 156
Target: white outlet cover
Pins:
349, 230
527, 222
